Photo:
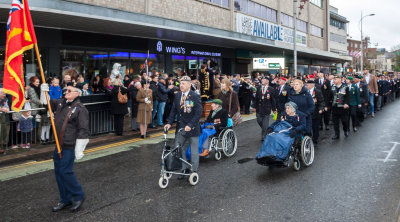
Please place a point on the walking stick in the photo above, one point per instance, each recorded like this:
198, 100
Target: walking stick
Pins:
48, 101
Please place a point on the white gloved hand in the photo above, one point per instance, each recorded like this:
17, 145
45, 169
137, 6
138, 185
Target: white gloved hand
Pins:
80, 147
45, 87
146, 100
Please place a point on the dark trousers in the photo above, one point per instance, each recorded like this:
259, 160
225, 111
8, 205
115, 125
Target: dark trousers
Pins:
183, 142
342, 115
26, 137
360, 114
327, 116
68, 185
119, 124
315, 128
247, 104
263, 122
353, 116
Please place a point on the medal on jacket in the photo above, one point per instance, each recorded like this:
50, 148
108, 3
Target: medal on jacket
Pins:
284, 93
313, 96
263, 90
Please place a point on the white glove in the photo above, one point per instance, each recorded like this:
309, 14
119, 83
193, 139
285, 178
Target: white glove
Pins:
80, 147
45, 87
146, 100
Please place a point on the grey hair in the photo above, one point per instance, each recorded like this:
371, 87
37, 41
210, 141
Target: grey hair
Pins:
79, 91
291, 105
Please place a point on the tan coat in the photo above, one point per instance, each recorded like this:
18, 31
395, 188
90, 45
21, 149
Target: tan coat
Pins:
373, 84
141, 95
217, 88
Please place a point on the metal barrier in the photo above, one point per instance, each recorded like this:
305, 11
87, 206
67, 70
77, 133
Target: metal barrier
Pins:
100, 122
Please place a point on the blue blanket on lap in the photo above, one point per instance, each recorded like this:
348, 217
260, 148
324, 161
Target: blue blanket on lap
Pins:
205, 133
277, 144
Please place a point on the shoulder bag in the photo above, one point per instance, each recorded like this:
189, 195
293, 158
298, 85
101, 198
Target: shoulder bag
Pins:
122, 98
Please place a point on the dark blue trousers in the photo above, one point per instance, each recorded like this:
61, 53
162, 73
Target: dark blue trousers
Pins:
308, 125
68, 185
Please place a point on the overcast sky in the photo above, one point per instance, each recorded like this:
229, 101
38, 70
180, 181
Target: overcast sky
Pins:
383, 28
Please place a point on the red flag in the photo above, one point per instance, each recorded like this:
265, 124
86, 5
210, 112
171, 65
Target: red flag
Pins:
20, 37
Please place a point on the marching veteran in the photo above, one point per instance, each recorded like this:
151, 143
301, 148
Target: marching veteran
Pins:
72, 125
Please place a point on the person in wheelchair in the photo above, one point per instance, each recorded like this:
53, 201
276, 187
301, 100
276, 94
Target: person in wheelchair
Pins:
293, 116
217, 119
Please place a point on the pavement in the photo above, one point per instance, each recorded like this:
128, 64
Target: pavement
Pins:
353, 179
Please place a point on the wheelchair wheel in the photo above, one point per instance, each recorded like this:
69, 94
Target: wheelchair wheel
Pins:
229, 143
163, 182
307, 151
167, 175
218, 155
296, 164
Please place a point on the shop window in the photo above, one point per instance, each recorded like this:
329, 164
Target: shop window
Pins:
178, 62
71, 59
96, 64
302, 69
31, 67
138, 63
192, 65
121, 58
315, 69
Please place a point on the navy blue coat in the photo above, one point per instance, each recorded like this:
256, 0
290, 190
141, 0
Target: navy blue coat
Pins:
162, 92
303, 100
189, 114
282, 97
297, 121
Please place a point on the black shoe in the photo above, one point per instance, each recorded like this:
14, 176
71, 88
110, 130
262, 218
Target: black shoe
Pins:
60, 206
326, 128
355, 129
144, 136
336, 137
76, 205
346, 134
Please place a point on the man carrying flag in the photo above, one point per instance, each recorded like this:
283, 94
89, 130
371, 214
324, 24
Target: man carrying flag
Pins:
72, 118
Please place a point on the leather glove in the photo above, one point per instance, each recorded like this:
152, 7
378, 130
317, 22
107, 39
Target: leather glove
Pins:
80, 147
45, 87
293, 133
269, 130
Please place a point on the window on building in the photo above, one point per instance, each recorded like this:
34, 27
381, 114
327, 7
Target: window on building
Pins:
287, 20
316, 31
338, 24
317, 3
255, 9
223, 3
73, 59
338, 38
301, 26
96, 64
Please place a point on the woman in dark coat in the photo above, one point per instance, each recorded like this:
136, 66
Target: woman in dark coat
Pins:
304, 101
133, 91
119, 110
293, 116
225, 96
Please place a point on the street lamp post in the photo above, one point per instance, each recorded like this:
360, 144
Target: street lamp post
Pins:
362, 42
294, 38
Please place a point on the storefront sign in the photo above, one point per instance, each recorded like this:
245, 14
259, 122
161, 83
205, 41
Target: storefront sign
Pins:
183, 49
256, 27
268, 63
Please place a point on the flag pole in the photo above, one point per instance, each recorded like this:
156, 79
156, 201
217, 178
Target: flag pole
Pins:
48, 101
145, 105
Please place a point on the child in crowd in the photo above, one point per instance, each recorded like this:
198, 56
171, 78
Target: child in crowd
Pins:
25, 126
55, 89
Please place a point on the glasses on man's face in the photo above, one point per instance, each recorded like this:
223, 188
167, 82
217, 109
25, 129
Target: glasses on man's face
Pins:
68, 91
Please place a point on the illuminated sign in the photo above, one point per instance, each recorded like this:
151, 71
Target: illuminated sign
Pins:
268, 63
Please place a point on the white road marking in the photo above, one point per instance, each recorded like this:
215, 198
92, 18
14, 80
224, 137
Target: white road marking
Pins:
389, 153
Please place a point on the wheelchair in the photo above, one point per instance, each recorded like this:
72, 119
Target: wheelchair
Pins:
225, 140
301, 153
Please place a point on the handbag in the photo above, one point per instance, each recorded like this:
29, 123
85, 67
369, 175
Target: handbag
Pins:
236, 118
122, 98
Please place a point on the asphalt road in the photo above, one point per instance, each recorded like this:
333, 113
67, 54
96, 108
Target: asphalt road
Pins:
354, 179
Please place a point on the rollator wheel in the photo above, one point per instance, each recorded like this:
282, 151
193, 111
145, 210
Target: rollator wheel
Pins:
193, 179
163, 182
229, 143
307, 151
296, 165
218, 155
167, 175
